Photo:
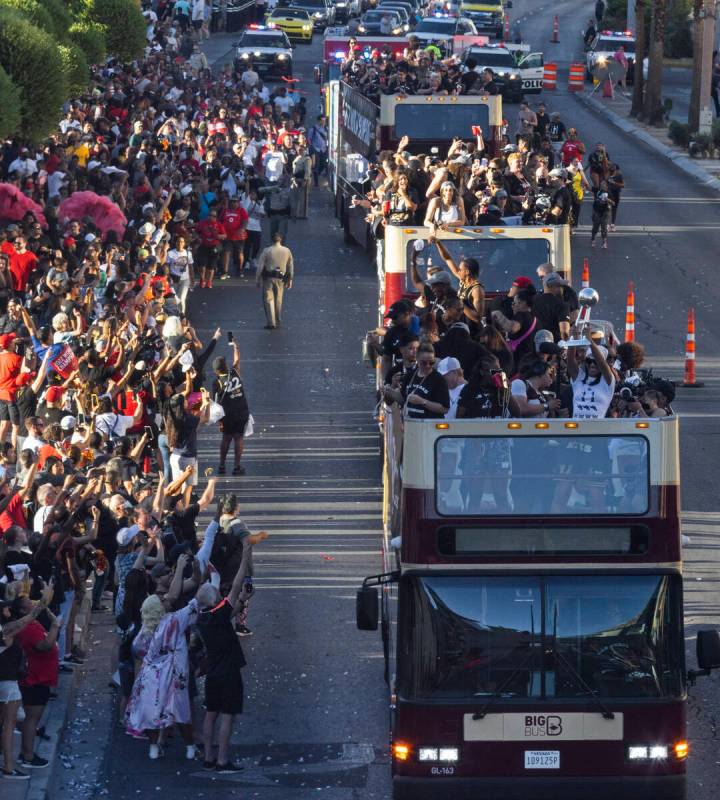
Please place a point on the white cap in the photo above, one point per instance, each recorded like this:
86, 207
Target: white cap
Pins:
68, 422
448, 365
90, 237
126, 535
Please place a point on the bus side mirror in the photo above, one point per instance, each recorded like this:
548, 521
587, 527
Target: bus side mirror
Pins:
708, 649
366, 608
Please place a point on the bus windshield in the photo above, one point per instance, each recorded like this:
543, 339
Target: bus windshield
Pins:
501, 260
615, 636
541, 475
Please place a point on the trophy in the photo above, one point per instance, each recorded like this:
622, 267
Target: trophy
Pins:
587, 298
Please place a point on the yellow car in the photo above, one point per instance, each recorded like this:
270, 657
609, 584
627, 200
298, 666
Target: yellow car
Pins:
295, 22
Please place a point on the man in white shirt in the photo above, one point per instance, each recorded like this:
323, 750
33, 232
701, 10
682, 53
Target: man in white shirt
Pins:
451, 370
23, 165
249, 78
274, 163
283, 102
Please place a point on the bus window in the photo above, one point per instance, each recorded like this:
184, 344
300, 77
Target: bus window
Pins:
440, 122
540, 476
501, 260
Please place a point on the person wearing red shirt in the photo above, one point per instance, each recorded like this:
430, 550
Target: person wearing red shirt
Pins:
572, 148
212, 234
22, 263
43, 666
10, 365
11, 504
234, 219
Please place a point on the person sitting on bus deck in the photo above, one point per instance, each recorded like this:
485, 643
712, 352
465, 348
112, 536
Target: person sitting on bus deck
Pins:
457, 342
486, 212
592, 379
486, 84
469, 78
666, 393
401, 317
487, 393
520, 328
424, 392
403, 81
451, 370
530, 393
630, 357
471, 292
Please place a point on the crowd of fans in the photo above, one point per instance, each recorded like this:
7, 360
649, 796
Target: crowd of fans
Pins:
104, 382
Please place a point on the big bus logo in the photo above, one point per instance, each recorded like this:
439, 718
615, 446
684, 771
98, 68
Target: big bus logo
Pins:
543, 725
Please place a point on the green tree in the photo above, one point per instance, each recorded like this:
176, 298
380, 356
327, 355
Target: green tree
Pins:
10, 104
90, 38
124, 24
33, 12
76, 68
61, 17
32, 60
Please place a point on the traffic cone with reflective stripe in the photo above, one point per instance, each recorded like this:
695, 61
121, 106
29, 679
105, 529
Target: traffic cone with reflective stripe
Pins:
556, 30
630, 314
506, 32
586, 274
690, 382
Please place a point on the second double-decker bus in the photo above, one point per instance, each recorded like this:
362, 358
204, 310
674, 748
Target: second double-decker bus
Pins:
531, 610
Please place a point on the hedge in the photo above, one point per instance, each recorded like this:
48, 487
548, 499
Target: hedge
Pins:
125, 26
90, 38
10, 105
33, 12
76, 68
32, 59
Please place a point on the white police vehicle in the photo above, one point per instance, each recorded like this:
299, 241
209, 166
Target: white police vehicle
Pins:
268, 49
440, 28
517, 71
604, 47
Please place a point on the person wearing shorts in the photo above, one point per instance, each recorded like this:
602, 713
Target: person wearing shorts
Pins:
229, 391
43, 666
212, 234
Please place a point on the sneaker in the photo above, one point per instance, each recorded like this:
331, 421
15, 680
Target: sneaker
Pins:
66, 669
209, 765
238, 470
592, 243
209, 284
605, 245
202, 284
612, 228
229, 768
190, 752
224, 277
221, 469
72, 659
155, 752
34, 763
243, 630
15, 775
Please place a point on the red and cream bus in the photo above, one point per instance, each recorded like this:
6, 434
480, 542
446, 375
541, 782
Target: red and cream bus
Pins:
531, 609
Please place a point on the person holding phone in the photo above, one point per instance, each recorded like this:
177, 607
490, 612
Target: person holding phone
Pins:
229, 391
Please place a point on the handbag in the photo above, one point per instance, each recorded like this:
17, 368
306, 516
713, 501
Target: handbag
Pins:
249, 427
217, 412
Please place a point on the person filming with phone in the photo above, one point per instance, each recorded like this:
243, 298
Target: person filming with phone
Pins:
228, 391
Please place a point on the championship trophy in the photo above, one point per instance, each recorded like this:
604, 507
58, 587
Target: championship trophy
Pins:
587, 298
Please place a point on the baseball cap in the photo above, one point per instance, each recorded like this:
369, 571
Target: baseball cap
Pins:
126, 535
53, 394
542, 336
439, 277
522, 282
448, 364
398, 307
549, 349
558, 172
6, 340
554, 279
68, 422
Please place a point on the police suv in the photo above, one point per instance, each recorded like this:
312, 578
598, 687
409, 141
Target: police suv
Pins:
604, 47
268, 49
515, 72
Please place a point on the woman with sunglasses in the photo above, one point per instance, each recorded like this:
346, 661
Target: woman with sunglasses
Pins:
592, 380
425, 392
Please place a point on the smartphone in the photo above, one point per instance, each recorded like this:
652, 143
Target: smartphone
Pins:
248, 584
81, 419
230, 336
148, 432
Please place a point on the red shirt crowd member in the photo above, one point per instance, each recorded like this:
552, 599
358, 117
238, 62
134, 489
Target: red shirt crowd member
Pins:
234, 219
211, 233
22, 263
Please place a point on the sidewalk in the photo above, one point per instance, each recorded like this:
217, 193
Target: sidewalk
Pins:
54, 720
617, 111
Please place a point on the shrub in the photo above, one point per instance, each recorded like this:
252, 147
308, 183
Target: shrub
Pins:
10, 104
124, 25
32, 60
90, 38
679, 133
61, 17
76, 68
33, 12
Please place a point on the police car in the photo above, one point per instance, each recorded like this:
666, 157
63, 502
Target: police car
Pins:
516, 72
442, 28
604, 47
268, 49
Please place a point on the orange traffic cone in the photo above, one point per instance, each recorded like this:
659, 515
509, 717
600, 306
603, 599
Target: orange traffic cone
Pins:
556, 31
506, 33
585, 284
690, 382
630, 314
608, 88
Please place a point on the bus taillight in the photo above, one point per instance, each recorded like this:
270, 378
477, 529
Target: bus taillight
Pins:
401, 751
681, 750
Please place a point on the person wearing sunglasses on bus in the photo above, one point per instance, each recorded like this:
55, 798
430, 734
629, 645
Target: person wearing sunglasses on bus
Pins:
592, 380
425, 392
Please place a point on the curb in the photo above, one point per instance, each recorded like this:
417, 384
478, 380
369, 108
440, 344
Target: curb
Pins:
41, 780
683, 162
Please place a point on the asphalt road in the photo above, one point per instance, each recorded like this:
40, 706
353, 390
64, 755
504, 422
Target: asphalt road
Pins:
316, 721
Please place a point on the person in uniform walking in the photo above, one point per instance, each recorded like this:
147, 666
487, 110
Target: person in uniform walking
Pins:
275, 269
229, 392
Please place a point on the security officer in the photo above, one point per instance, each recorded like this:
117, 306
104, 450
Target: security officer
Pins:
275, 268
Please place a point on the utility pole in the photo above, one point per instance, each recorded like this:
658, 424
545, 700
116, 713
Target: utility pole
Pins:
707, 43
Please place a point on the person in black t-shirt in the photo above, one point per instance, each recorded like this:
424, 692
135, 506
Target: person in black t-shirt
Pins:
487, 392
224, 659
520, 328
400, 313
560, 199
425, 391
229, 391
550, 310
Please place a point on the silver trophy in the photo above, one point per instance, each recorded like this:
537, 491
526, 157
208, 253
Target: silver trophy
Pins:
587, 298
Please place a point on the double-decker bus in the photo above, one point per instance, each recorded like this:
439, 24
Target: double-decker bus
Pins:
531, 609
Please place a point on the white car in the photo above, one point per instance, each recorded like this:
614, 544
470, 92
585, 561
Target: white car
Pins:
604, 47
442, 28
268, 49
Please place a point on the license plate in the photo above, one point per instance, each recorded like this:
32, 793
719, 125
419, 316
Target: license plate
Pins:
542, 759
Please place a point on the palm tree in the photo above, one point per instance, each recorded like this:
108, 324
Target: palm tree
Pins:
640, 48
653, 111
